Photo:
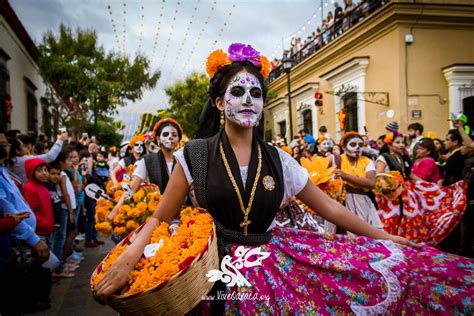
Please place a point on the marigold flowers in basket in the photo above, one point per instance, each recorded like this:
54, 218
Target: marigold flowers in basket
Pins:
102, 210
178, 252
132, 214
389, 185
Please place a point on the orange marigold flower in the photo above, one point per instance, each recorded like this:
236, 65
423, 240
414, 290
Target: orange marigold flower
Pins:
138, 196
216, 60
120, 230
131, 225
142, 207
265, 71
118, 195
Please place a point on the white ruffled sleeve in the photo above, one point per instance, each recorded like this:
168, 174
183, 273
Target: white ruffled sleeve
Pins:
295, 177
179, 155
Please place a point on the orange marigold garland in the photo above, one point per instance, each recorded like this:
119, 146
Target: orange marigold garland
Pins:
177, 252
132, 214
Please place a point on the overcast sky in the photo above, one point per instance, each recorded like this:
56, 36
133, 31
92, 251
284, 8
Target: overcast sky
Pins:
182, 46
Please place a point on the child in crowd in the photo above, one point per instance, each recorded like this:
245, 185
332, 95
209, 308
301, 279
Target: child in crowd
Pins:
37, 196
63, 162
55, 194
77, 175
101, 167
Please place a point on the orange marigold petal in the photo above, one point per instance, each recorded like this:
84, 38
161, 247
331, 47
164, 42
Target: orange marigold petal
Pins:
265, 71
216, 60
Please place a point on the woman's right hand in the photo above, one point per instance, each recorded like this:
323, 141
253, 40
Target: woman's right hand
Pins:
114, 279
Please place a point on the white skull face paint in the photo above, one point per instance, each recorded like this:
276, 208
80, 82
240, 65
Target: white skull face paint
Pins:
323, 146
354, 147
169, 137
243, 100
138, 147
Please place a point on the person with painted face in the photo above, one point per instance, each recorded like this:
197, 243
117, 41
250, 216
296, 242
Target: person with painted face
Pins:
392, 155
157, 167
242, 182
359, 174
136, 150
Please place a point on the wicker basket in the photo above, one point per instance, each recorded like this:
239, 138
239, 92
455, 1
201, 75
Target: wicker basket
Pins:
177, 296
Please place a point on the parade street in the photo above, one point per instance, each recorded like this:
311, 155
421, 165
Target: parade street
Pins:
72, 296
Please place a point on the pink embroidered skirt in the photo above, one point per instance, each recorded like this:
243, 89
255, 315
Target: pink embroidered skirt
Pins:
312, 273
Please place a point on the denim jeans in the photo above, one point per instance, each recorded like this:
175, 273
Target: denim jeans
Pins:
91, 233
60, 237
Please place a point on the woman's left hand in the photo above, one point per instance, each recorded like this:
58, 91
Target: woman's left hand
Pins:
339, 173
403, 241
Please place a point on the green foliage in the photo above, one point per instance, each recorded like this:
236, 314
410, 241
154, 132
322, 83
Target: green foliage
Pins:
187, 98
105, 132
89, 82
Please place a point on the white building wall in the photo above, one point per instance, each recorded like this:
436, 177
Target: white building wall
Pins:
20, 65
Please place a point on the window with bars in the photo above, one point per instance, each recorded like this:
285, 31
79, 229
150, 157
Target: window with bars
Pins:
308, 121
350, 106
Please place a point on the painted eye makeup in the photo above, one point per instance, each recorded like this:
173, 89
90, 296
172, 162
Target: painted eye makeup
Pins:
354, 145
256, 92
237, 91
165, 134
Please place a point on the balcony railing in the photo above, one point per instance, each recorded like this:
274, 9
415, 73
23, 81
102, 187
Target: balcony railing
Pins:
341, 25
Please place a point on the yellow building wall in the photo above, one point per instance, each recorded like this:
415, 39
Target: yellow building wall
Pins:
432, 50
382, 75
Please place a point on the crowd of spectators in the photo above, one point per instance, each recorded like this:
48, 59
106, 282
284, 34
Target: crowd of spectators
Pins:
335, 23
45, 216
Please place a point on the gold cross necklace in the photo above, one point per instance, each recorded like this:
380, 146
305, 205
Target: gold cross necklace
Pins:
245, 210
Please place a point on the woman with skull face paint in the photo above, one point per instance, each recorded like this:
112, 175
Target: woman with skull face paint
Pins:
157, 167
136, 150
243, 182
359, 174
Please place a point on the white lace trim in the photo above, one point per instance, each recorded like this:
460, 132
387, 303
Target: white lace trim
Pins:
394, 290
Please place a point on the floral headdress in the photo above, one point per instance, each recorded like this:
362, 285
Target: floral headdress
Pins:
321, 139
390, 136
167, 120
136, 139
237, 52
347, 134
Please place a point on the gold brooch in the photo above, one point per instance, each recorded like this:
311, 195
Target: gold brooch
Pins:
268, 183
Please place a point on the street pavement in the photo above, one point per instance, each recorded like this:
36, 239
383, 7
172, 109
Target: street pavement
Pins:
73, 296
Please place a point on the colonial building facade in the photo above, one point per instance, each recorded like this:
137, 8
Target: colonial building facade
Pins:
406, 61
21, 85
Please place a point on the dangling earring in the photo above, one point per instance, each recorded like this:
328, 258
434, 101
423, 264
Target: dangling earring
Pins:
222, 119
